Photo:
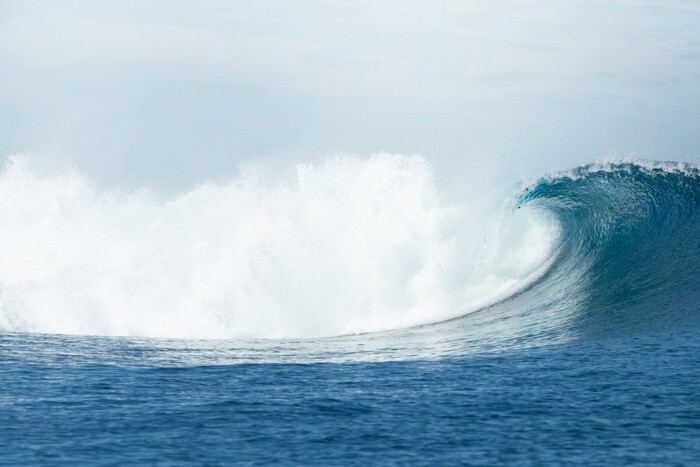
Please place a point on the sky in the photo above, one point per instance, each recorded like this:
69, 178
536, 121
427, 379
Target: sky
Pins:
167, 95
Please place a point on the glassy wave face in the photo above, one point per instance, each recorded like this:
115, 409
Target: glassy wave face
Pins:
628, 253
354, 246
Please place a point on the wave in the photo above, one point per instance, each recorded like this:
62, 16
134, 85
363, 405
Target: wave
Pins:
354, 246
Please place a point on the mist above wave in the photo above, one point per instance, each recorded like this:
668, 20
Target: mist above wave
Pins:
344, 246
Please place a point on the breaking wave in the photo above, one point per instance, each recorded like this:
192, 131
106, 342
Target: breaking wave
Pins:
353, 246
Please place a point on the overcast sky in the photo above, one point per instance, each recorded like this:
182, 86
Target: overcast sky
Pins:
168, 94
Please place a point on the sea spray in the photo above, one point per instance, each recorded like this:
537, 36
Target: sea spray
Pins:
347, 245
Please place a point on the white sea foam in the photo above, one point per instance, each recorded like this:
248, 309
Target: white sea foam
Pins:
345, 246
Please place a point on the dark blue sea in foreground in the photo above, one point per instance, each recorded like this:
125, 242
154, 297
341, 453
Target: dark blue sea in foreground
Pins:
632, 400
597, 362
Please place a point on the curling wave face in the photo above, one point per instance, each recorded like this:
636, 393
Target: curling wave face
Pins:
630, 250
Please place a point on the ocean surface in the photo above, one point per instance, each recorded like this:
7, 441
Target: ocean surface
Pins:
349, 316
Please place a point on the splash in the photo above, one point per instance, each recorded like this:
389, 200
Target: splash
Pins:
349, 245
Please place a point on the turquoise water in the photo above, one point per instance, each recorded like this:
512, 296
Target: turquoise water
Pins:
597, 361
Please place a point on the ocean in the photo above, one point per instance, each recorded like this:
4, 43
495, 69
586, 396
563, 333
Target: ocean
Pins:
349, 316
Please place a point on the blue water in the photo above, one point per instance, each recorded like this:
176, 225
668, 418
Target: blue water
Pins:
612, 401
596, 362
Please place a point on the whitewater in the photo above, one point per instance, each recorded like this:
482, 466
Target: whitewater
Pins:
345, 246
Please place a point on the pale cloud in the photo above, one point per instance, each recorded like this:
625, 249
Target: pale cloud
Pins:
689, 5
